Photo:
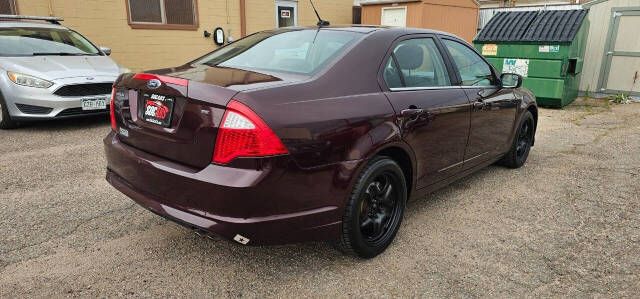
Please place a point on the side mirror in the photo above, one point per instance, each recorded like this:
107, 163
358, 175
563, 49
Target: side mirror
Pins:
105, 50
511, 80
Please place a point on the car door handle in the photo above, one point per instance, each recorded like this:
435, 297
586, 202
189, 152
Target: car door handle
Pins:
479, 105
413, 118
411, 113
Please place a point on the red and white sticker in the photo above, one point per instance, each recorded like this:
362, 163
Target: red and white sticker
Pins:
157, 109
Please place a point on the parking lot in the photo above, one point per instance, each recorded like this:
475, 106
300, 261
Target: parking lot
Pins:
568, 223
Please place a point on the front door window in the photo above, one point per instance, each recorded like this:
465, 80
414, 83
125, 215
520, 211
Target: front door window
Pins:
474, 71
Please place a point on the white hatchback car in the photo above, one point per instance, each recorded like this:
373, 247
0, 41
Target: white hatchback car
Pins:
48, 71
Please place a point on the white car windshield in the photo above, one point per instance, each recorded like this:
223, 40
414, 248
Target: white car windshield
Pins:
297, 51
43, 41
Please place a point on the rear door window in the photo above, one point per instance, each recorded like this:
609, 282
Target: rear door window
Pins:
420, 64
392, 75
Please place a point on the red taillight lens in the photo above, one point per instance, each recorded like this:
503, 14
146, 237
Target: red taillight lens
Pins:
113, 115
242, 133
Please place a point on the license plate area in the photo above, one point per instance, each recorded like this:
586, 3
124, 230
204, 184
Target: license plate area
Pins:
93, 104
157, 109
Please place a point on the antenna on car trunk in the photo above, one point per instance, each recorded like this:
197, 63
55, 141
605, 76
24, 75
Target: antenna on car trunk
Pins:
321, 22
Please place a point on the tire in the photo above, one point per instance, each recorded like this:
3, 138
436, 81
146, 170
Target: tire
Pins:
374, 213
522, 142
5, 119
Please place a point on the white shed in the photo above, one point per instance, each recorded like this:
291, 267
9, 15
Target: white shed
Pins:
612, 59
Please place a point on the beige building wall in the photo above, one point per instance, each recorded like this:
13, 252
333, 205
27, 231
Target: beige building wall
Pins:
338, 12
261, 14
104, 22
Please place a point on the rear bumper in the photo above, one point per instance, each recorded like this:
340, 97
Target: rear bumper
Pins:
275, 204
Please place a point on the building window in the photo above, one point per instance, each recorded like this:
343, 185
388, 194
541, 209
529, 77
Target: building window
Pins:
163, 14
8, 7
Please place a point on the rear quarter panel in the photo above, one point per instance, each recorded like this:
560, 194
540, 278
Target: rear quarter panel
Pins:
339, 114
329, 130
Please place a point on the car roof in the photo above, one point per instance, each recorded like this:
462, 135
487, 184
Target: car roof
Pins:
24, 24
367, 29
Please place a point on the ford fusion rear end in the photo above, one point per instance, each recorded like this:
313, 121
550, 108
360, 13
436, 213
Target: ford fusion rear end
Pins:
186, 146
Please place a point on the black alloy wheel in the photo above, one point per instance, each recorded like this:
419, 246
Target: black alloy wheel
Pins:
525, 138
522, 142
378, 208
375, 209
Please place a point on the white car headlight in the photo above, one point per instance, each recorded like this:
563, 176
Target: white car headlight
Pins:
26, 80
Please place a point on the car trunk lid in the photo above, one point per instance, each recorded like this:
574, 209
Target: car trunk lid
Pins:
199, 95
187, 134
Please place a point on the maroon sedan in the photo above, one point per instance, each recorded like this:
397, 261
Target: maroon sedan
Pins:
314, 133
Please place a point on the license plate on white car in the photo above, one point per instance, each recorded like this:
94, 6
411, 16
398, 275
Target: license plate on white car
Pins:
94, 104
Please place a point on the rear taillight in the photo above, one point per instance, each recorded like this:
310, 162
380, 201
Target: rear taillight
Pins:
113, 115
243, 133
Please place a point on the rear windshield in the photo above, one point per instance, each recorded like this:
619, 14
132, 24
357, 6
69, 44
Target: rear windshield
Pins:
43, 41
300, 51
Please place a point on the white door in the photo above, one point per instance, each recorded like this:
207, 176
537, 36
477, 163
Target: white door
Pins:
622, 66
394, 16
286, 13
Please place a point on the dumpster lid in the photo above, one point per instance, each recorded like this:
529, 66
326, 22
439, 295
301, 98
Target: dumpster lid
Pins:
533, 26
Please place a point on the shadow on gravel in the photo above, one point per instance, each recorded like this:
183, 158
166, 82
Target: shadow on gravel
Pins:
263, 267
70, 124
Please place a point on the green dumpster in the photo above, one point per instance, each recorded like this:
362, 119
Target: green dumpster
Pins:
545, 47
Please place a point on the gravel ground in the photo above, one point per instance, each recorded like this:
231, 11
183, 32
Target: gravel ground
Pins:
566, 224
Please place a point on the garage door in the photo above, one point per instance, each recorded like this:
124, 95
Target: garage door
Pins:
622, 63
394, 16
